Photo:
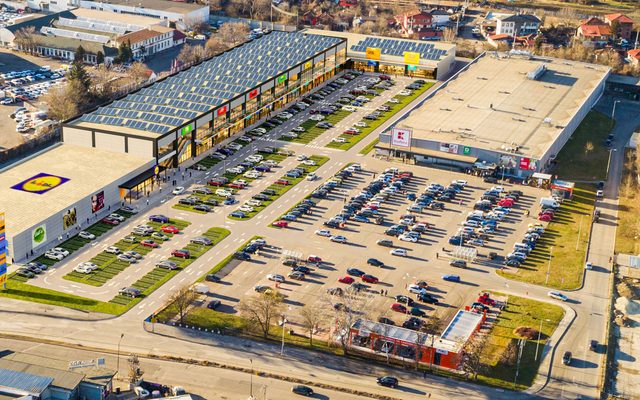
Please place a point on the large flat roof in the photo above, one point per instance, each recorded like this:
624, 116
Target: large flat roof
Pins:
493, 105
88, 170
162, 5
391, 49
174, 101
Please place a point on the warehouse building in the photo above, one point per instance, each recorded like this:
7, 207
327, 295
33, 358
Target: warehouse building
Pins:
511, 113
396, 56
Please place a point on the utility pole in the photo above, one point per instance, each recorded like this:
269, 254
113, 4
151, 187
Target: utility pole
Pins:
539, 333
549, 266
284, 321
118, 361
520, 348
579, 232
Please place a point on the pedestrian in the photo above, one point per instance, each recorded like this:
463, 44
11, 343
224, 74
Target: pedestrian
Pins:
424, 374
437, 257
460, 202
147, 201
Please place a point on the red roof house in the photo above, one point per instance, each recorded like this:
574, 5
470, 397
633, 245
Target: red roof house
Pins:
624, 25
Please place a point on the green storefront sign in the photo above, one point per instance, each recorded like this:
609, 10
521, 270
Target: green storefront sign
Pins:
282, 78
186, 130
412, 67
466, 150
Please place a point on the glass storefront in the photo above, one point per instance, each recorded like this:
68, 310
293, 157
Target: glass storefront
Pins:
236, 127
204, 138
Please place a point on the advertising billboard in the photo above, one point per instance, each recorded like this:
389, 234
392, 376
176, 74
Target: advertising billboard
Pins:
401, 137
411, 58
524, 163
508, 161
449, 148
97, 202
3, 252
40, 183
372, 53
39, 236
186, 130
69, 218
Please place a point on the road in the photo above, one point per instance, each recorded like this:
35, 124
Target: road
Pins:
589, 305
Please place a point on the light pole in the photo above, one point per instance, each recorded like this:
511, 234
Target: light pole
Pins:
251, 380
118, 361
613, 112
284, 321
549, 266
539, 333
520, 348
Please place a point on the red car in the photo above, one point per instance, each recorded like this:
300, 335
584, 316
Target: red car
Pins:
346, 279
314, 259
372, 206
505, 203
384, 77
110, 221
282, 182
399, 308
369, 278
545, 218
214, 182
182, 253
350, 132
281, 224
148, 243
546, 212
485, 298
170, 229
236, 185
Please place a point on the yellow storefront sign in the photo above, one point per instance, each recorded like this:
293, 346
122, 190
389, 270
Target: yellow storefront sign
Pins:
411, 58
373, 53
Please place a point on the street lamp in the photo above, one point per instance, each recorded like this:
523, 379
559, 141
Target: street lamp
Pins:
118, 361
284, 321
613, 112
251, 380
539, 333
549, 266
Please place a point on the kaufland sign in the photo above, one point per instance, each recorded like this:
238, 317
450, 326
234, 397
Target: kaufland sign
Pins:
401, 137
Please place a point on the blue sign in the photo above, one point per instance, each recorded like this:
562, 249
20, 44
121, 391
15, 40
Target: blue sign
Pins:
372, 63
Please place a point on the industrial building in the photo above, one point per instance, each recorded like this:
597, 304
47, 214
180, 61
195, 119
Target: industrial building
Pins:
444, 350
394, 56
512, 112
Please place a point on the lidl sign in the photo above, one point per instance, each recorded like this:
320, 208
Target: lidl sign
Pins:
40, 183
186, 130
282, 78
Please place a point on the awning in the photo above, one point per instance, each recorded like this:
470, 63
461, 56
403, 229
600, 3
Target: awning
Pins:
540, 175
133, 182
432, 153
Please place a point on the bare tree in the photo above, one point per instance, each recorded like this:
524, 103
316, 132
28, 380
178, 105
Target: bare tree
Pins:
510, 354
182, 300
312, 318
432, 327
233, 33
347, 310
588, 147
191, 54
261, 310
139, 72
214, 46
25, 39
135, 373
449, 35
103, 81
65, 101
472, 362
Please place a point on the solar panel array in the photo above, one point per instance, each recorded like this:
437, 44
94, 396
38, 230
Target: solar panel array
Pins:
90, 37
396, 47
99, 26
174, 101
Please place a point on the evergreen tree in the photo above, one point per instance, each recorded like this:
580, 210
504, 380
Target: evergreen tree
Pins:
99, 58
80, 53
78, 74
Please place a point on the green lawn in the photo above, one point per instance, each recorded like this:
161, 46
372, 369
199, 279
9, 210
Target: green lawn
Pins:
367, 149
228, 258
567, 263
231, 177
519, 312
18, 289
158, 276
577, 164
282, 189
628, 232
311, 131
351, 140
109, 265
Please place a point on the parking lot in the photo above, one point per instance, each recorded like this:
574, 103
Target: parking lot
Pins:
427, 259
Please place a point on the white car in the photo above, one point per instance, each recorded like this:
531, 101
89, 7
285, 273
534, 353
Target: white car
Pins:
60, 250
82, 269
338, 239
52, 255
349, 108
317, 117
252, 174
87, 235
459, 182
223, 193
276, 278
298, 129
340, 140
310, 163
360, 124
323, 232
284, 115
112, 250
405, 92
413, 288
407, 238
246, 209
588, 266
178, 190
393, 100
245, 139
254, 203
117, 217
557, 295
301, 157
290, 135
234, 146
498, 189
398, 252
312, 176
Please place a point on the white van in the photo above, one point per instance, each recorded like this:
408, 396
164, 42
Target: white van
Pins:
549, 202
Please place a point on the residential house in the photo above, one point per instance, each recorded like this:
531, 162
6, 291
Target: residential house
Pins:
624, 25
64, 48
517, 24
413, 21
439, 17
594, 32
633, 56
148, 41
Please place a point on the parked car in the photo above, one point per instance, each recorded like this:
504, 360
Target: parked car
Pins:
181, 253
130, 292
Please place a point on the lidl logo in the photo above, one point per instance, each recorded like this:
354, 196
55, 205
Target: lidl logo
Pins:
40, 183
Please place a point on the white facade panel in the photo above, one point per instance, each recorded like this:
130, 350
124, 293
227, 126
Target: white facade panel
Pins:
266, 86
203, 120
235, 103
166, 140
140, 147
110, 142
319, 58
79, 137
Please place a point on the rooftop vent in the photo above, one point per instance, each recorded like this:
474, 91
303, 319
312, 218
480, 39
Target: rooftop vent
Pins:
537, 72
